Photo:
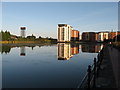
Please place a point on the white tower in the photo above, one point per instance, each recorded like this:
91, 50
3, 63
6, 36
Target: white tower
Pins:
23, 31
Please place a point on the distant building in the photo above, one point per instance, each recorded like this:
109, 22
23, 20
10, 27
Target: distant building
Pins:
14, 37
80, 37
89, 36
113, 34
103, 36
64, 32
75, 35
99, 36
23, 31
96, 36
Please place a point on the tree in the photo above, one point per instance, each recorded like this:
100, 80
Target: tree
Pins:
40, 37
31, 37
5, 35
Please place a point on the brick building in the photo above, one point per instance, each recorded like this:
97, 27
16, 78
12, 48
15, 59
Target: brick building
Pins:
75, 35
89, 36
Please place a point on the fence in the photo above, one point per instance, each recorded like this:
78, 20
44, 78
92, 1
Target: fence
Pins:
89, 80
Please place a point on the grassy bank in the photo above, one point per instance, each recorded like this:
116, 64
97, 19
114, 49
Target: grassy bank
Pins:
20, 42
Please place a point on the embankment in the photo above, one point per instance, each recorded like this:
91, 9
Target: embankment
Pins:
25, 42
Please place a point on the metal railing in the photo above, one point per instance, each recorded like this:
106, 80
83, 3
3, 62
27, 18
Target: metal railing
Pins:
89, 80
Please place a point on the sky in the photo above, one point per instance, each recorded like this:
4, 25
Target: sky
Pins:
60, 0
42, 18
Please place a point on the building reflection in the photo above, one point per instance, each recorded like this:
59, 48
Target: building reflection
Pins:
75, 49
66, 51
91, 48
22, 51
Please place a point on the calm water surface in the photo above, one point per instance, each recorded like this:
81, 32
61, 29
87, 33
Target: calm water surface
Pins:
52, 66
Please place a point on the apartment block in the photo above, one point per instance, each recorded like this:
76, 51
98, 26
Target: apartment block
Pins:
103, 36
64, 32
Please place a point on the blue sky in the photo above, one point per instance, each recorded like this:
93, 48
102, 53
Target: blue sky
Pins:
41, 18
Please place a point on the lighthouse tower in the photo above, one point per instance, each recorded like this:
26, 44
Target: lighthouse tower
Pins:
23, 31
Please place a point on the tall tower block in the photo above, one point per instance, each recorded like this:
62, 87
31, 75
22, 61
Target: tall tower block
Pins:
22, 31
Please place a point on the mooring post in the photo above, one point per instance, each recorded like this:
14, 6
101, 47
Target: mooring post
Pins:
98, 56
94, 79
94, 65
89, 76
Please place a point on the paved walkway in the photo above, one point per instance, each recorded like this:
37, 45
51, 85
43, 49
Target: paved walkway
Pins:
106, 77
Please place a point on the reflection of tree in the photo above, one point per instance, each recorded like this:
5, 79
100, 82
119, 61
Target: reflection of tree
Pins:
5, 49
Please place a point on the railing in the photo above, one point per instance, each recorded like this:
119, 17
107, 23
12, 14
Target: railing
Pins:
89, 80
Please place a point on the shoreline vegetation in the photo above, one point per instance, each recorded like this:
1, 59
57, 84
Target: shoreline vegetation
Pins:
25, 42
7, 38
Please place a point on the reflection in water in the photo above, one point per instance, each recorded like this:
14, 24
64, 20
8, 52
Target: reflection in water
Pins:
91, 48
42, 68
75, 49
5, 49
66, 51
22, 51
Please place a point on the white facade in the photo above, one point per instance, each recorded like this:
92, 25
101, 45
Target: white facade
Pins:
64, 32
103, 35
80, 37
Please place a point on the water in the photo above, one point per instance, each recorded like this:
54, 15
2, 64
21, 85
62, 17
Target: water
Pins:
47, 66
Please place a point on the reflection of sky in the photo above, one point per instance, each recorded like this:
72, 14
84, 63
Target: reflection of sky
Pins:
40, 68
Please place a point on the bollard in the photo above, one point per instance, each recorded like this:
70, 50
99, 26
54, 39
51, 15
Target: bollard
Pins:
89, 76
94, 79
98, 63
98, 56
94, 65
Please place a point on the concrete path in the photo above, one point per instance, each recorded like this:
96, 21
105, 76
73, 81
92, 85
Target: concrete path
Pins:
107, 76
